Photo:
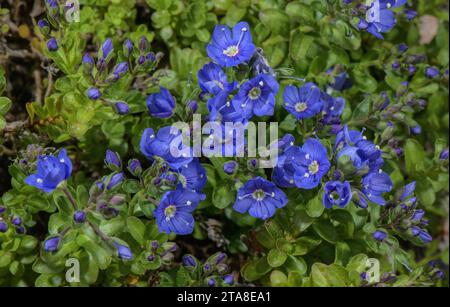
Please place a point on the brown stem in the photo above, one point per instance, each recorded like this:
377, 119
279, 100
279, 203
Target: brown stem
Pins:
70, 197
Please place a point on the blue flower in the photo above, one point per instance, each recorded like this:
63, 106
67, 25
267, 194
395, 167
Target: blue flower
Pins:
431, 72
374, 184
94, 93
347, 137
287, 165
3, 227
174, 212
443, 155
135, 167
128, 47
379, 235
51, 171
303, 102
79, 216
111, 181
341, 80
332, 109
231, 48
163, 144
407, 191
313, 164
222, 109
120, 70
261, 65
228, 279
336, 193
230, 167
52, 243
379, 17
260, 198
123, 251
355, 155
189, 261
257, 96
193, 176
161, 104
212, 79
112, 160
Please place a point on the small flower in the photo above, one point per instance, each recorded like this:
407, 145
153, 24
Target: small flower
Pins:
2, 209
128, 47
418, 215
260, 198
230, 167
257, 96
52, 243
416, 130
375, 184
193, 176
431, 72
379, 18
121, 108
332, 108
94, 93
123, 251
341, 81
189, 261
112, 160
20, 230
212, 79
211, 282
79, 216
261, 65
303, 102
114, 181
407, 191
336, 193
143, 44
192, 106
410, 14
107, 47
313, 164
3, 227
166, 144
424, 236
222, 109
51, 171
379, 235
135, 167
231, 48
87, 61
402, 48
444, 154
174, 212
161, 104
16, 221
52, 44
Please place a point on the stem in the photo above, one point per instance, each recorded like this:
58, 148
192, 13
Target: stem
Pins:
70, 197
100, 233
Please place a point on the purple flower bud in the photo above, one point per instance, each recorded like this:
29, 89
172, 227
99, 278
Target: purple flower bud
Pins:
2, 209
362, 24
52, 3
228, 279
141, 60
415, 230
347, 1
363, 275
395, 65
3, 226
416, 130
87, 62
379, 235
405, 83
192, 106
42, 24
94, 93
135, 167
431, 72
123, 251
444, 154
230, 167
51, 244
418, 215
117, 200
143, 44
399, 151
128, 47
207, 267
211, 282
412, 69
52, 44
439, 275
120, 70
107, 47
115, 180
150, 57
402, 48
121, 108
409, 14
20, 230
189, 261
112, 160
79, 216
425, 236
221, 257
16, 221
154, 245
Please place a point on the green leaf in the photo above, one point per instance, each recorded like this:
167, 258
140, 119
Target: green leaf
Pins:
5, 105
414, 157
333, 275
222, 196
136, 228
315, 207
276, 258
325, 230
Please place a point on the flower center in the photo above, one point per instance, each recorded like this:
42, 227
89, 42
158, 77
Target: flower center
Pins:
313, 167
231, 51
259, 194
254, 93
170, 211
301, 106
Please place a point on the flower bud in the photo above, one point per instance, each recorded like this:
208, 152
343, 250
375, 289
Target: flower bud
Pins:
79, 216
431, 72
123, 251
121, 108
128, 48
106, 49
402, 48
211, 282
119, 70
150, 57
52, 44
94, 93
135, 167
3, 226
51, 244
20, 230
112, 160
16, 221
409, 14
143, 44
379, 235
151, 258
230, 167
189, 261
2, 209
444, 154
228, 279
44, 27
117, 200
87, 62
192, 106
416, 130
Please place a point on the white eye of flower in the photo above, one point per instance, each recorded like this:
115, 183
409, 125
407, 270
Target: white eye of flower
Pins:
62, 160
292, 143
291, 181
152, 136
364, 138
261, 83
307, 156
188, 203
244, 29
306, 175
377, 147
39, 180
228, 103
380, 171
273, 194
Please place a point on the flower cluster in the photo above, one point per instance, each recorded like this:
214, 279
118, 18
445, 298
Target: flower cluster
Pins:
213, 272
